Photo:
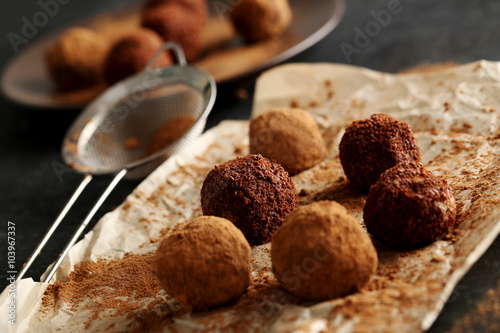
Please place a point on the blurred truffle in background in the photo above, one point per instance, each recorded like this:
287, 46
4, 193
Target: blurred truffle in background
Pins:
174, 23
75, 60
197, 8
132, 53
261, 19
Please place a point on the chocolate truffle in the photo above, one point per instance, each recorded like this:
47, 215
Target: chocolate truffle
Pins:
409, 207
253, 192
321, 252
290, 137
75, 60
132, 53
261, 19
195, 7
173, 129
176, 24
204, 263
371, 146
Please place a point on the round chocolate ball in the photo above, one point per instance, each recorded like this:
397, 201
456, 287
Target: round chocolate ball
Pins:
371, 146
261, 19
291, 137
204, 263
409, 207
176, 24
321, 252
253, 192
75, 60
198, 8
131, 54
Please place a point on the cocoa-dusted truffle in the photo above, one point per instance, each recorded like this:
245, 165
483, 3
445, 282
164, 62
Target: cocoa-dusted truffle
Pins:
195, 7
253, 192
172, 130
132, 53
261, 19
176, 24
321, 252
204, 263
75, 60
409, 207
290, 137
371, 146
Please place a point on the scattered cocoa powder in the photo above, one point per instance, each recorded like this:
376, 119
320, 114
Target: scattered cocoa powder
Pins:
485, 317
97, 286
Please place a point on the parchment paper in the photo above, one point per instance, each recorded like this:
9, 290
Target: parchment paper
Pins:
454, 114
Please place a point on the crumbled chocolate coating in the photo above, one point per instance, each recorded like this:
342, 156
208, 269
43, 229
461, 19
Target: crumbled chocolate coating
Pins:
409, 207
371, 146
253, 192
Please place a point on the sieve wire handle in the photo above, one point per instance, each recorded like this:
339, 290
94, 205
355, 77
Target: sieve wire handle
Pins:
85, 222
177, 50
86, 180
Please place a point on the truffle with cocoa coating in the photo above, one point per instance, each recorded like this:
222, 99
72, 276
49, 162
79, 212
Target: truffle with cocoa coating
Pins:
321, 252
291, 137
175, 24
409, 207
371, 146
169, 132
198, 8
75, 60
253, 192
261, 19
131, 54
204, 263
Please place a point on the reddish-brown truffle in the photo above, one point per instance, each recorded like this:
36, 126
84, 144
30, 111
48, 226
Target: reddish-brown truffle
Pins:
173, 129
204, 263
253, 192
261, 19
291, 137
371, 146
132, 53
195, 7
409, 207
75, 60
176, 24
321, 252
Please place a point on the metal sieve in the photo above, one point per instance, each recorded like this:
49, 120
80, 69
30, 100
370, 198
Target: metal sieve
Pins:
137, 108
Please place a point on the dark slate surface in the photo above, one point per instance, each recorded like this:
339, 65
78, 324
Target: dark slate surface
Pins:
33, 192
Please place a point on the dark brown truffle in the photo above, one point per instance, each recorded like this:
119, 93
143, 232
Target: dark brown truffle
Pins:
253, 192
291, 137
321, 252
175, 24
371, 146
195, 7
261, 19
75, 60
204, 263
409, 207
132, 53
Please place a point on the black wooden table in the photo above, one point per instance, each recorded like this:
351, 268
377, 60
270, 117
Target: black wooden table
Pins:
34, 186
